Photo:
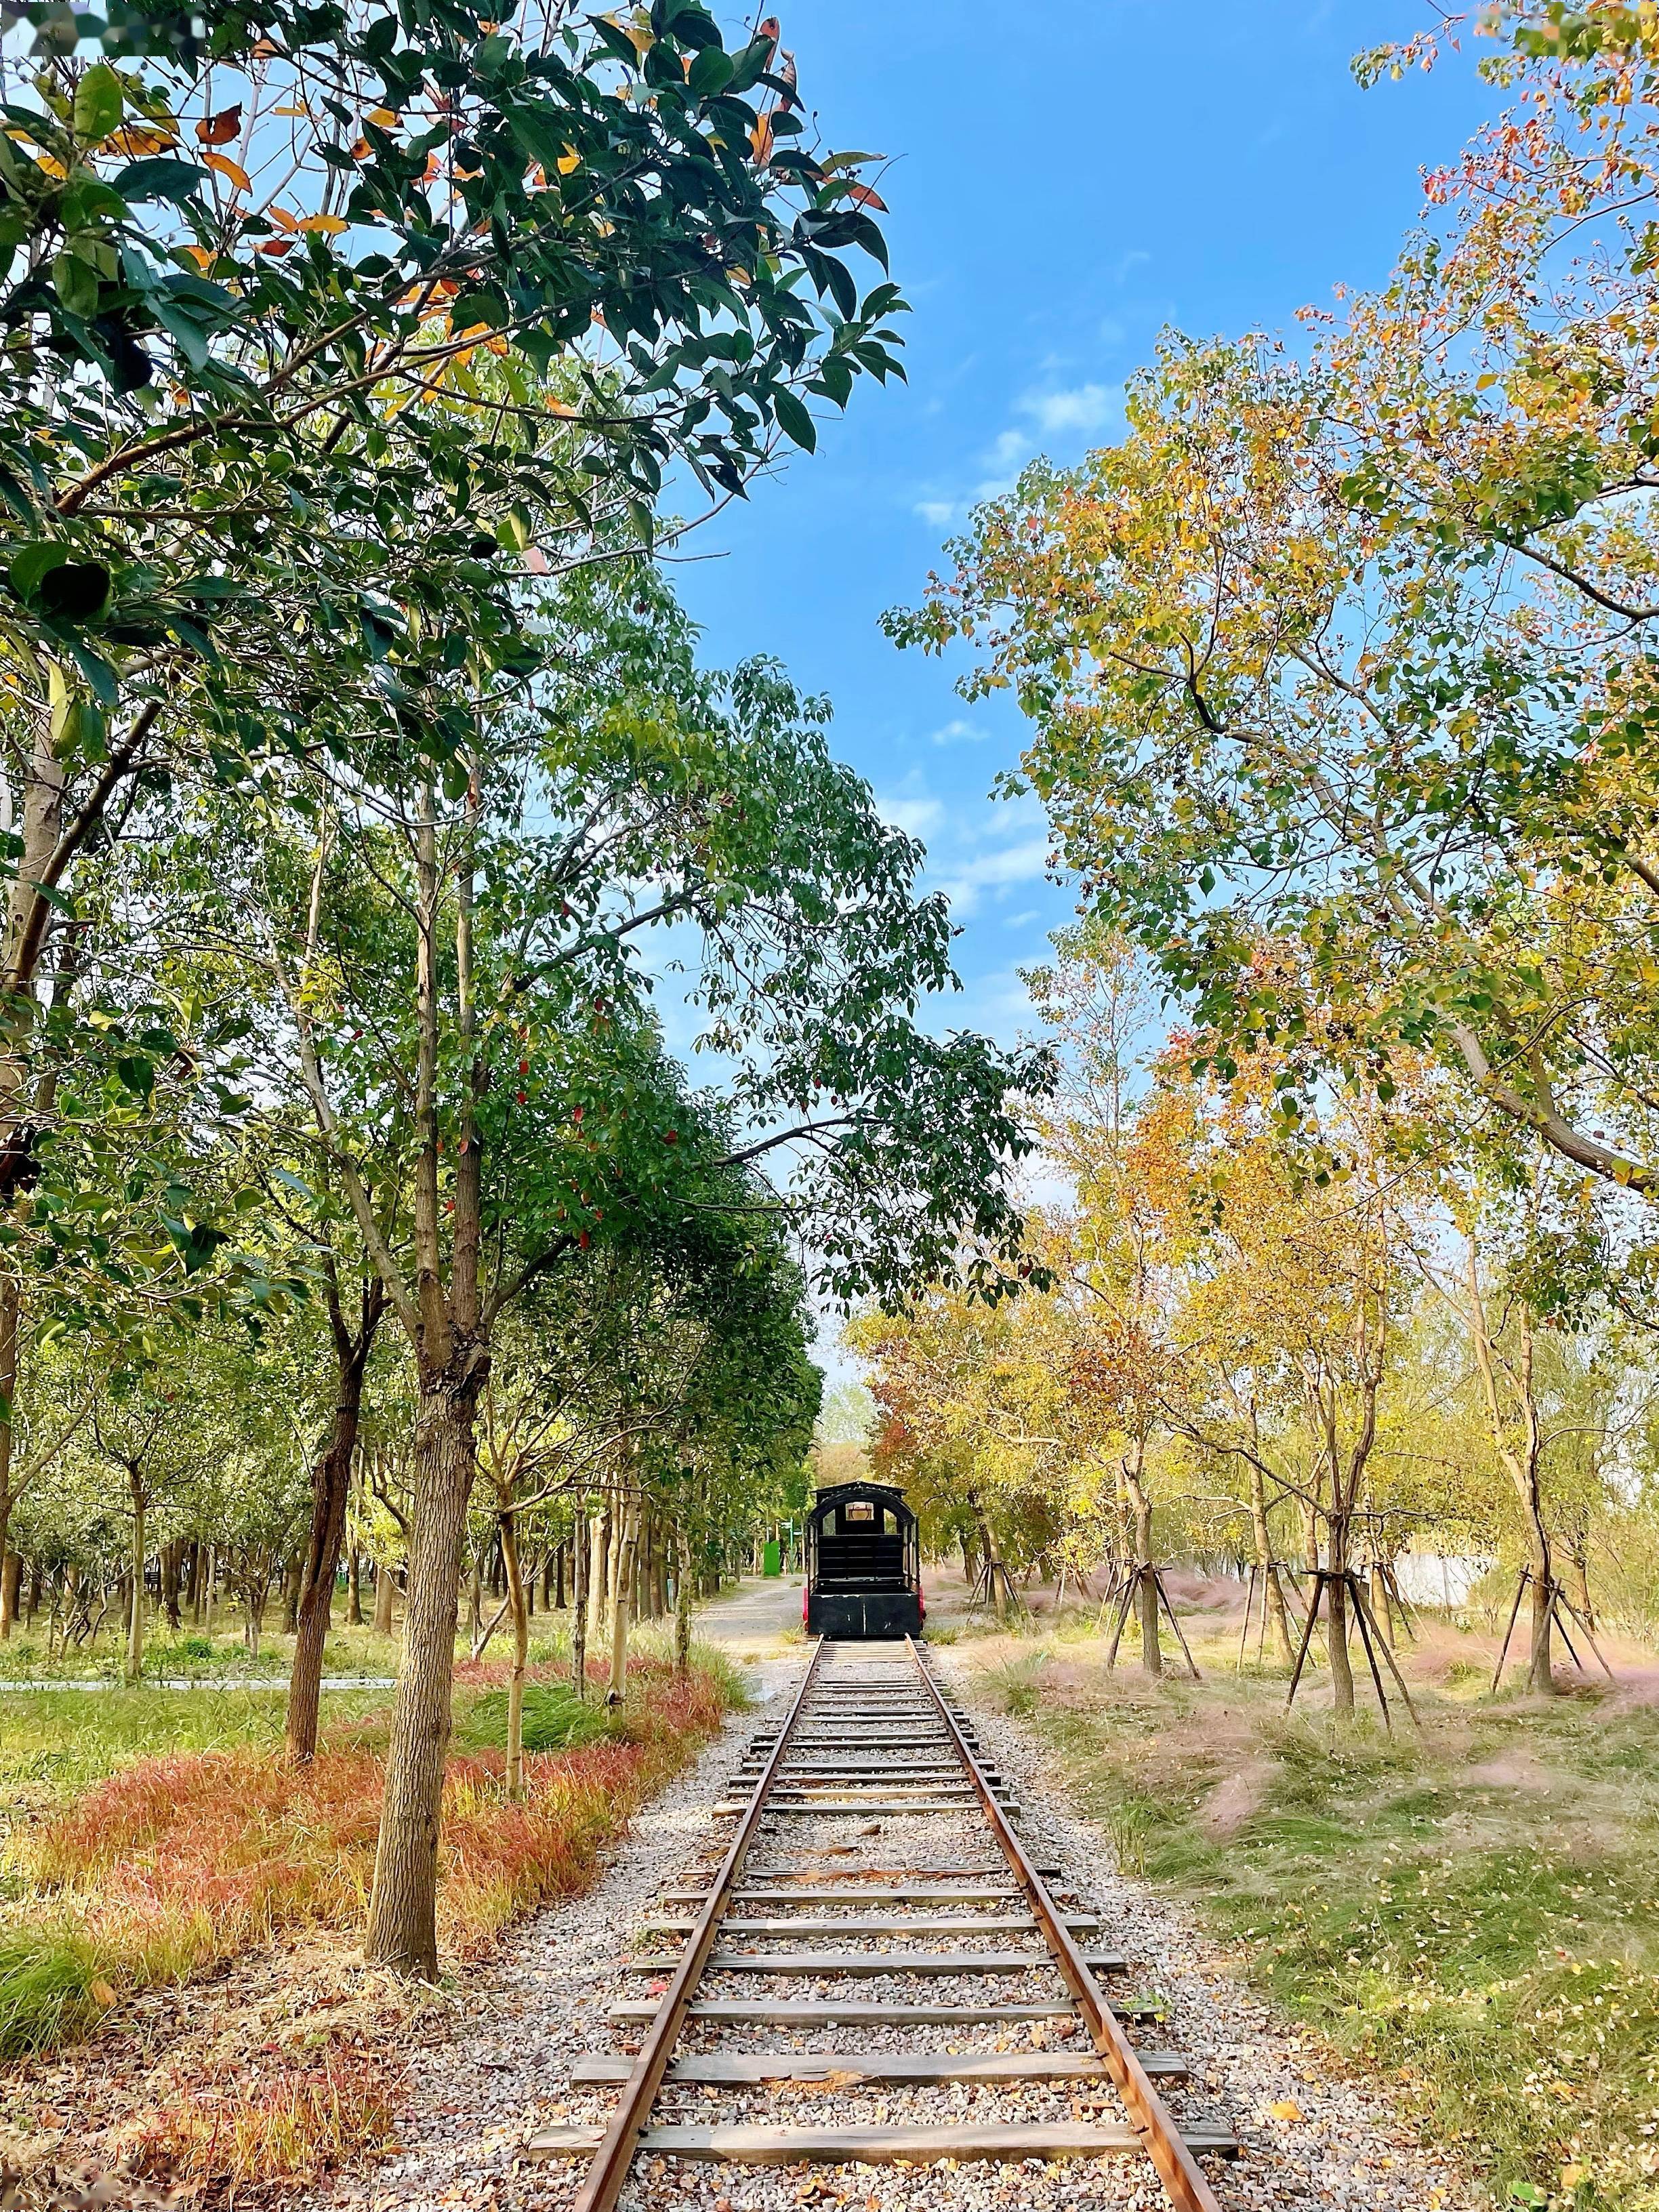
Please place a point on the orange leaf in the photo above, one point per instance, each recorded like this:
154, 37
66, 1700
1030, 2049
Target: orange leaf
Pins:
760, 140
265, 52
234, 170
866, 197
200, 256
51, 165
282, 218
219, 129
1285, 2109
275, 246
327, 226
362, 151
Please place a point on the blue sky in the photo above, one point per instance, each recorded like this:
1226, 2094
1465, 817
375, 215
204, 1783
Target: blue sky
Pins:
1064, 183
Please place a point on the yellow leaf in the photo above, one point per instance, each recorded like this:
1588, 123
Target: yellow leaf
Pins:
388, 117
569, 160
200, 256
291, 111
51, 165
1285, 2109
136, 142
102, 1994
234, 170
329, 226
1572, 2175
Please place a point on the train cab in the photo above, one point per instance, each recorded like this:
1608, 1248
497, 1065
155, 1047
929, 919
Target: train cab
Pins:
863, 1564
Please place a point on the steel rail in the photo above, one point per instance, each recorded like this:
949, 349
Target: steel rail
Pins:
1179, 2170
609, 2171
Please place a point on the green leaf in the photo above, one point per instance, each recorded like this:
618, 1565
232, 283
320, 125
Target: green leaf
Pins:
794, 420
76, 282
98, 103
29, 564
158, 177
710, 74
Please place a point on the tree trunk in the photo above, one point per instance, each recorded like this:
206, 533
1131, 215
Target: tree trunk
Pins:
1523, 1464
172, 1570
385, 1592
597, 1551
135, 1663
556, 1575
403, 1907
331, 1492
1336, 1622
292, 1584
579, 1557
621, 1603
520, 1612
11, 1588
354, 1588
1151, 1653
684, 1592
1272, 1596
996, 1573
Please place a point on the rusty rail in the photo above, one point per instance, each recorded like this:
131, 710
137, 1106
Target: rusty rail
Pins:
609, 2171
1178, 2170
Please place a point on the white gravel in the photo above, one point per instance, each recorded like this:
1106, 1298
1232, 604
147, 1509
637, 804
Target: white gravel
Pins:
476, 2098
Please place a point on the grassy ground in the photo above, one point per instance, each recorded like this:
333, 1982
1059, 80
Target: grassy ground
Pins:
155, 1838
1475, 1909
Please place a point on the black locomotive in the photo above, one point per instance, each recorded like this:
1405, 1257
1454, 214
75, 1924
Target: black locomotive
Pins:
863, 1564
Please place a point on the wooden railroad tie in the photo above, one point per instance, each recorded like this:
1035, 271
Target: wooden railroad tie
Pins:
854, 1964
875, 2146
712, 2069
855, 2012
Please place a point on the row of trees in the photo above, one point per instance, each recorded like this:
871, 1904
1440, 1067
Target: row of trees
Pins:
1339, 673
1223, 1356
362, 795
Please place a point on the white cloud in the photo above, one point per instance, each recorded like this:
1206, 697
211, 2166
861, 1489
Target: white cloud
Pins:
1022, 920
1087, 407
1023, 863
918, 817
956, 731
941, 512
1065, 415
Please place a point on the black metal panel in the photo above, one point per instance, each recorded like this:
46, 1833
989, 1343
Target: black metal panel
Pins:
863, 1615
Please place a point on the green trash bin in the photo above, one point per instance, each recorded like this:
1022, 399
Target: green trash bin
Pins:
772, 1559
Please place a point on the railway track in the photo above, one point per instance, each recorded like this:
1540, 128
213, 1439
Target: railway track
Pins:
878, 1935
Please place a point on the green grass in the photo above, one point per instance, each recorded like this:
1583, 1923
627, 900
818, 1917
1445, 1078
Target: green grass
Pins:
554, 1719
1475, 1910
49, 1989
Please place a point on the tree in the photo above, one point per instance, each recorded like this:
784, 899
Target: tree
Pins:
1341, 707
326, 324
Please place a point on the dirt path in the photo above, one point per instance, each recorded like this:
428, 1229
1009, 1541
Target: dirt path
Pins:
1312, 2136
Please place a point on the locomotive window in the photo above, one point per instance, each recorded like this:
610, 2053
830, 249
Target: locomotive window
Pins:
861, 1509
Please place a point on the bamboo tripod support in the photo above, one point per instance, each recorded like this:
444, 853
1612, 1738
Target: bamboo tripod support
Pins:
1369, 1635
1290, 1597
1557, 1598
1125, 1592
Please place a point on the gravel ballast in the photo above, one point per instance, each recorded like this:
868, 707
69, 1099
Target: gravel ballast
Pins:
1310, 2134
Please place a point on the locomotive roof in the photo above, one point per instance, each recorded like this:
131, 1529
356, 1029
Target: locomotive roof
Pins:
887, 1493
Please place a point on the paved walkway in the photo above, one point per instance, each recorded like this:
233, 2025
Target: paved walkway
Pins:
758, 1624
